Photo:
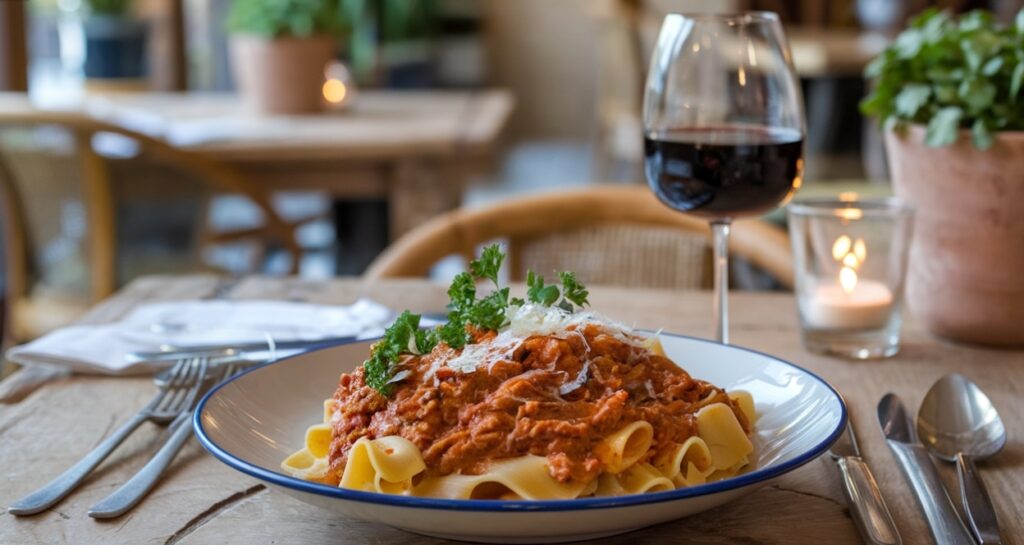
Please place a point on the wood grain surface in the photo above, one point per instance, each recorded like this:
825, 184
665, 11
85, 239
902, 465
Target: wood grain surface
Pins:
44, 430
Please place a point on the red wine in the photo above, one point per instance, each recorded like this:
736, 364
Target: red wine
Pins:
723, 172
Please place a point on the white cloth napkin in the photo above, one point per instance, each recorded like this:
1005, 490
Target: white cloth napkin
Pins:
103, 348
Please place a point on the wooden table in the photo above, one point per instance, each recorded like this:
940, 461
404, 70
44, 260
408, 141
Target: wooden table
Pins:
203, 501
413, 150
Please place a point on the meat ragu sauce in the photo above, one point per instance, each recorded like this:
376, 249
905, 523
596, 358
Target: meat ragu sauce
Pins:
461, 421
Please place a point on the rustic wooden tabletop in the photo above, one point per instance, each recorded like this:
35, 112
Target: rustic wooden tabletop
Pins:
380, 124
45, 427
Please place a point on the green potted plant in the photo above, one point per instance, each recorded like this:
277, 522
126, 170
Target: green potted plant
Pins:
115, 41
279, 49
948, 92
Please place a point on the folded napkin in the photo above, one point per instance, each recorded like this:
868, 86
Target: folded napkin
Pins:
103, 348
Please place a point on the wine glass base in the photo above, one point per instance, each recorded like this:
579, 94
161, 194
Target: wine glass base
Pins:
853, 344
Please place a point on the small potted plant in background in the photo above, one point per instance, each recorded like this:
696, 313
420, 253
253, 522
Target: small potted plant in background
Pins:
948, 92
279, 49
115, 41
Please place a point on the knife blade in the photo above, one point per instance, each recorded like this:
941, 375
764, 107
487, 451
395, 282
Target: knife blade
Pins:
170, 353
945, 524
870, 513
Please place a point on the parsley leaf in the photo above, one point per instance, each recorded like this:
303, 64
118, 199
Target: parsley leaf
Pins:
462, 292
572, 290
539, 293
489, 312
379, 369
426, 340
488, 265
454, 333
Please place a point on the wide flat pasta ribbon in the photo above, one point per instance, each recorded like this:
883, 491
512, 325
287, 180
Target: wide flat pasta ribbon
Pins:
386, 465
728, 444
311, 462
525, 477
637, 479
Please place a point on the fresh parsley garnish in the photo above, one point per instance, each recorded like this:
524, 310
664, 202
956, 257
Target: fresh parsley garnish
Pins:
572, 290
539, 293
381, 366
465, 311
489, 264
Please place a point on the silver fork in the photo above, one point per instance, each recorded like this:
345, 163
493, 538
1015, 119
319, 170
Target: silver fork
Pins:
132, 492
172, 399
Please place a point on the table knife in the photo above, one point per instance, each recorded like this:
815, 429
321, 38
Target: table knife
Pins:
234, 350
869, 510
946, 526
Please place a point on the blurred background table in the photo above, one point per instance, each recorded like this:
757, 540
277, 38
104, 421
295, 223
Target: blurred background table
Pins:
389, 162
203, 501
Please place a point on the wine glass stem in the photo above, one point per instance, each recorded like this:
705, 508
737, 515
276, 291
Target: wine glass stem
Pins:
720, 242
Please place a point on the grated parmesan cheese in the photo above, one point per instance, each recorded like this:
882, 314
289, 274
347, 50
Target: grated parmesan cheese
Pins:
535, 320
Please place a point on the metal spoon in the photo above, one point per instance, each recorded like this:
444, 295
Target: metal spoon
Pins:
958, 423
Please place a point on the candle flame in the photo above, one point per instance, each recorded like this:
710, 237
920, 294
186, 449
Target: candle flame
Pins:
851, 255
847, 279
841, 247
860, 250
334, 90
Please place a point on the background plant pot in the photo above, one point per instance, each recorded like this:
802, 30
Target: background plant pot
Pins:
966, 276
115, 47
281, 75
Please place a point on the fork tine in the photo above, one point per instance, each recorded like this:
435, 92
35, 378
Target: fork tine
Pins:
190, 397
175, 372
181, 387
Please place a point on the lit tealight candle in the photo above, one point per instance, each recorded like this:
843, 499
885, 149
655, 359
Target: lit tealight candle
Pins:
338, 89
851, 302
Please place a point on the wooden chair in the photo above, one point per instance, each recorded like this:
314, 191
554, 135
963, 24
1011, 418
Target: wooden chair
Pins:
611, 235
53, 171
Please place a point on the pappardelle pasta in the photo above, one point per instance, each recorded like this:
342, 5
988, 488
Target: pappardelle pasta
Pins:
552, 403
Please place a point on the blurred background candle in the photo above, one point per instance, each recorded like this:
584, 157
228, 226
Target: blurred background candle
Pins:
339, 90
850, 256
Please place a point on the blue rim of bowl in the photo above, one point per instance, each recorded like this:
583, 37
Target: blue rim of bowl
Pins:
739, 481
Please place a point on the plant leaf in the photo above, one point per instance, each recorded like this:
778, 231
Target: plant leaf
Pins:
1016, 80
909, 43
992, 66
911, 98
977, 94
875, 67
943, 127
980, 135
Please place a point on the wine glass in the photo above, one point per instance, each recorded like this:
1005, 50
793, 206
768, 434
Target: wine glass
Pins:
723, 125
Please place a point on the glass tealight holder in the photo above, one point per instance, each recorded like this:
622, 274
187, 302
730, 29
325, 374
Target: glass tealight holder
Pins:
850, 257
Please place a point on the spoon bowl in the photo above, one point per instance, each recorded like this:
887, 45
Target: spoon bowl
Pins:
957, 417
958, 423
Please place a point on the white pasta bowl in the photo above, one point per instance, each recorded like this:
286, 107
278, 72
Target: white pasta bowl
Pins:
257, 419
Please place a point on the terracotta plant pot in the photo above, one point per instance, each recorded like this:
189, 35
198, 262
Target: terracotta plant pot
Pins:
966, 276
282, 75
